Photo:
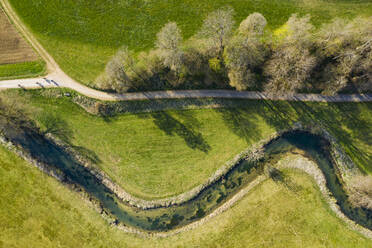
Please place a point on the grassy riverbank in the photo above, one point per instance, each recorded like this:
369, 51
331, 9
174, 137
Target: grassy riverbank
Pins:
154, 155
37, 211
82, 35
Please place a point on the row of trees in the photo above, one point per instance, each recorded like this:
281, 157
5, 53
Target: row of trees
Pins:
295, 57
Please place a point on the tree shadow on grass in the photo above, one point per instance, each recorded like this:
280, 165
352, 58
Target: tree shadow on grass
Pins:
53, 124
282, 178
278, 114
245, 119
344, 122
172, 126
241, 122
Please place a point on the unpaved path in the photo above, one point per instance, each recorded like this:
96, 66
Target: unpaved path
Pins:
57, 78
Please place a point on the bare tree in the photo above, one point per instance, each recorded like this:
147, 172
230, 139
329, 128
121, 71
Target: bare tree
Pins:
363, 71
300, 31
117, 73
169, 41
245, 52
14, 111
217, 29
347, 48
104, 82
123, 71
288, 69
241, 79
242, 56
254, 24
292, 62
169, 37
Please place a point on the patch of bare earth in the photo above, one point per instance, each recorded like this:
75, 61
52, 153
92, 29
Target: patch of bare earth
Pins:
13, 48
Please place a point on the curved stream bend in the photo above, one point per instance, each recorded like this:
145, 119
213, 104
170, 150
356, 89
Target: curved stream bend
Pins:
54, 160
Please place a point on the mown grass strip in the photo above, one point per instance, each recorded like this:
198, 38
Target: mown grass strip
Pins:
22, 70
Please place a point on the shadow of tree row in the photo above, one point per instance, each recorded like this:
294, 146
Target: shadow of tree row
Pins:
188, 133
58, 127
346, 121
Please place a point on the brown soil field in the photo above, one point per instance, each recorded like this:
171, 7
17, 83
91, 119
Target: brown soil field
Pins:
13, 48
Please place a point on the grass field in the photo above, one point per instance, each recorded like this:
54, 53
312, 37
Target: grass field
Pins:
83, 35
22, 70
166, 153
38, 211
17, 58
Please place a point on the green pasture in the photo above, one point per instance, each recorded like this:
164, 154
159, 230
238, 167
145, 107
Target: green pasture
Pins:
83, 35
37, 211
22, 70
161, 154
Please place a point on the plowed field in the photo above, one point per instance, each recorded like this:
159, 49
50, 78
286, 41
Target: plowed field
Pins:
13, 48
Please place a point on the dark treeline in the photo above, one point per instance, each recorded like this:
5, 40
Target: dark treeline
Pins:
294, 58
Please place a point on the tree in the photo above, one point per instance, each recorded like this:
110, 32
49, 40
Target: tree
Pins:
123, 71
254, 24
288, 69
104, 82
169, 40
242, 56
292, 62
346, 48
245, 52
217, 29
300, 31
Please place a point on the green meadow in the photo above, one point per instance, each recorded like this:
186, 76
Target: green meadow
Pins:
22, 70
37, 211
161, 154
83, 35
165, 153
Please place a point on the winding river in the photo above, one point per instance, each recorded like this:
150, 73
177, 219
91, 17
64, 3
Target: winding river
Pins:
163, 219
